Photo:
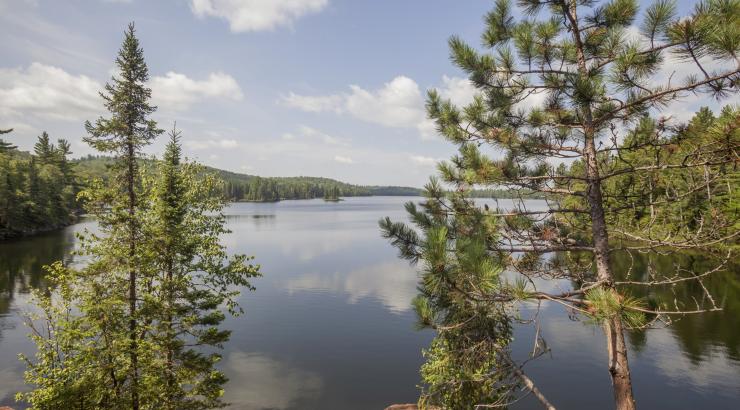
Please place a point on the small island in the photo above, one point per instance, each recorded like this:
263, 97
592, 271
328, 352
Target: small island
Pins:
331, 194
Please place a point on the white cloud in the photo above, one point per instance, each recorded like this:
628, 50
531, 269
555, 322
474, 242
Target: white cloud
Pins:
425, 161
256, 15
314, 104
399, 103
177, 92
49, 92
343, 160
52, 93
459, 90
212, 143
325, 138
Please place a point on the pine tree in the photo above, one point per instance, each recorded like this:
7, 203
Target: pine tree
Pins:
571, 87
468, 363
62, 153
128, 331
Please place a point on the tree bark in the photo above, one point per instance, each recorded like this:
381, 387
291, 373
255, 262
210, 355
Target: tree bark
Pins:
618, 366
616, 347
133, 350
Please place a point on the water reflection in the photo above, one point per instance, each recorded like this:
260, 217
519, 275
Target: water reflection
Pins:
22, 262
330, 326
393, 283
698, 335
10, 383
267, 383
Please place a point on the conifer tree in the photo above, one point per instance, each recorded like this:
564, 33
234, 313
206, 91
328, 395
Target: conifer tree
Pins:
573, 87
82, 331
194, 278
4, 145
468, 364
124, 134
35, 194
62, 153
44, 149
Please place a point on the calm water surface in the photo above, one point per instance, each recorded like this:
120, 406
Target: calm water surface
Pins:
330, 325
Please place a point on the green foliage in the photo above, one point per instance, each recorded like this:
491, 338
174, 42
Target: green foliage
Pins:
138, 326
604, 304
186, 278
242, 187
464, 365
195, 277
37, 192
568, 82
675, 201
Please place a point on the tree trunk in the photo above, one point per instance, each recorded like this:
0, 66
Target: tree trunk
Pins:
618, 366
170, 334
133, 352
617, 349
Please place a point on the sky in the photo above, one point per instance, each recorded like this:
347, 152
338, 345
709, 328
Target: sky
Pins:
331, 88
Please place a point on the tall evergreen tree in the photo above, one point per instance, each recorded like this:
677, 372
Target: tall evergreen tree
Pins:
44, 149
124, 134
63, 151
571, 87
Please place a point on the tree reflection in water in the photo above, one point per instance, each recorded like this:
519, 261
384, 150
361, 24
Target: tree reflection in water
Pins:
696, 334
22, 263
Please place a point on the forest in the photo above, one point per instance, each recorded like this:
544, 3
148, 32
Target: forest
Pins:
619, 221
37, 190
41, 187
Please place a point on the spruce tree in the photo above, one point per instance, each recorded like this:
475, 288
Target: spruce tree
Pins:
194, 278
4, 145
35, 195
570, 82
124, 134
44, 149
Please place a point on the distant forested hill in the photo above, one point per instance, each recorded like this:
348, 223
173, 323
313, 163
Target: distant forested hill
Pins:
243, 187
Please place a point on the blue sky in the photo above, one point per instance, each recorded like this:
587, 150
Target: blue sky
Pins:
329, 88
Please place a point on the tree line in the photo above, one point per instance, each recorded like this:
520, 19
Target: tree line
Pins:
242, 187
37, 190
260, 189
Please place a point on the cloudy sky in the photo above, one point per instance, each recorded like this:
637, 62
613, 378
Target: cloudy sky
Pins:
330, 88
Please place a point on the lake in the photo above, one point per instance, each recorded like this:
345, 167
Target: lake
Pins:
330, 324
